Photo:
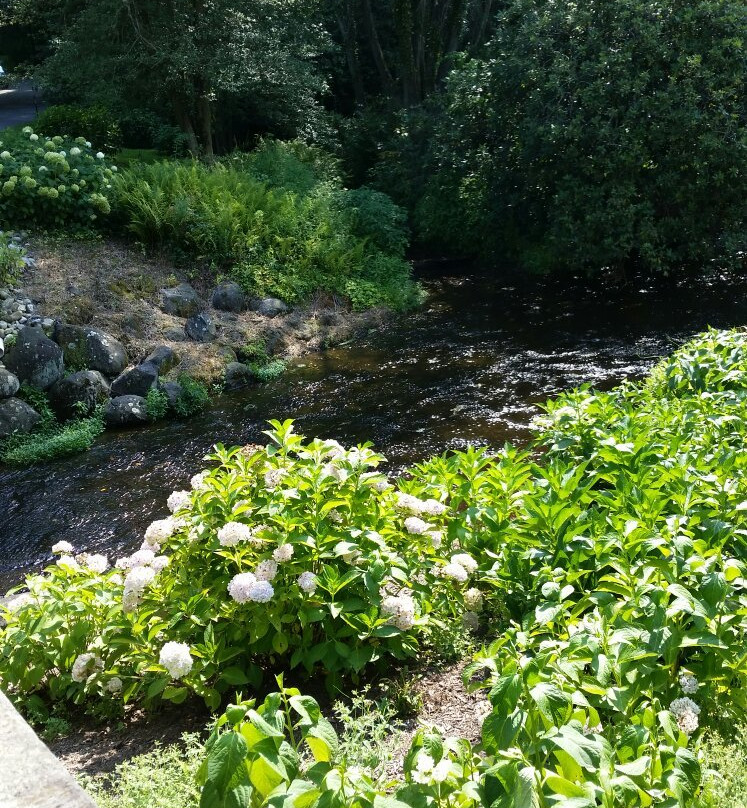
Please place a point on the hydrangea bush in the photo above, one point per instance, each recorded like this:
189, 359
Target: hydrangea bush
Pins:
52, 182
298, 554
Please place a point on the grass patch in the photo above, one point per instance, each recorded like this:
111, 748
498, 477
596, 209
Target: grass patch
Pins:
52, 441
267, 371
163, 778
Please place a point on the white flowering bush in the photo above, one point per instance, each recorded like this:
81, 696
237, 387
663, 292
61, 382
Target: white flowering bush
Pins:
52, 182
299, 554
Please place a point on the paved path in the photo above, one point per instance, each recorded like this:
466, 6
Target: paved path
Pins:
17, 105
30, 775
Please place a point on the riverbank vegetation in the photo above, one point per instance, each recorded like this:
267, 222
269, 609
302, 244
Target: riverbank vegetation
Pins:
606, 576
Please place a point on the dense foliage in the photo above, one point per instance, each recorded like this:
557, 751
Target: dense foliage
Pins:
94, 123
614, 569
278, 221
597, 135
52, 182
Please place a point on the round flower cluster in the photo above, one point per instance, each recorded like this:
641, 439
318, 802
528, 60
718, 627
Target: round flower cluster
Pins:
86, 665
283, 553
471, 621
401, 608
428, 771
179, 501
685, 712
465, 560
18, 602
96, 562
688, 683
413, 505
68, 561
177, 660
62, 547
159, 531
436, 537
234, 532
266, 570
307, 582
473, 599
246, 586
198, 483
273, 478
455, 571
415, 525
114, 685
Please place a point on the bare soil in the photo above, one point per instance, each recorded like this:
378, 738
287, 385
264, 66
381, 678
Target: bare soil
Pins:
115, 287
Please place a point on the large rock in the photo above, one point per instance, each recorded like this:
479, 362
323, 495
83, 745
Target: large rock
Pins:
238, 374
163, 358
9, 383
136, 381
16, 416
173, 392
200, 328
89, 348
78, 394
229, 297
126, 411
181, 301
35, 358
268, 306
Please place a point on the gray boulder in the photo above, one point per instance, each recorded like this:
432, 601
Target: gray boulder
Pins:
126, 411
200, 328
163, 358
85, 347
268, 306
136, 381
35, 358
78, 394
181, 301
17, 416
229, 297
238, 374
9, 383
173, 390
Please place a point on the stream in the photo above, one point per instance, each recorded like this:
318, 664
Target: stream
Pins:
470, 366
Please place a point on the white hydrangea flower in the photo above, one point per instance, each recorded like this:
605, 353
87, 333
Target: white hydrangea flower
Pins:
333, 449
197, 482
685, 712
402, 610
473, 599
283, 553
261, 591
63, 547
381, 485
307, 582
160, 563
415, 525
88, 144
138, 578
5, 155
100, 155
18, 602
68, 561
34, 137
455, 571
331, 470
97, 563
335, 517
238, 586
432, 507
688, 683
273, 477
179, 501
436, 537
75, 151
177, 660
234, 532
159, 531
116, 579
86, 665
471, 621
114, 685
142, 557
266, 570
465, 560
409, 503
130, 600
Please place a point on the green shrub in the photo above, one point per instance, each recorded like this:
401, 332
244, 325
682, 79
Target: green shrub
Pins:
268, 370
192, 398
274, 241
595, 135
95, 123
52, 441
725, 775
156, 404
13, 259
52, 183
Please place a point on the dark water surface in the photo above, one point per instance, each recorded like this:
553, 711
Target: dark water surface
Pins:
470, 366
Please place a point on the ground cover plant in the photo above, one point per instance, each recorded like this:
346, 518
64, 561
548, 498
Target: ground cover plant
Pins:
277, 220
611, 570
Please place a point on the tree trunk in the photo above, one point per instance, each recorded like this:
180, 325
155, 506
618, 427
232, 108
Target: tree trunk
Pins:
205, 120
376, 51
349, 32
185, 124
